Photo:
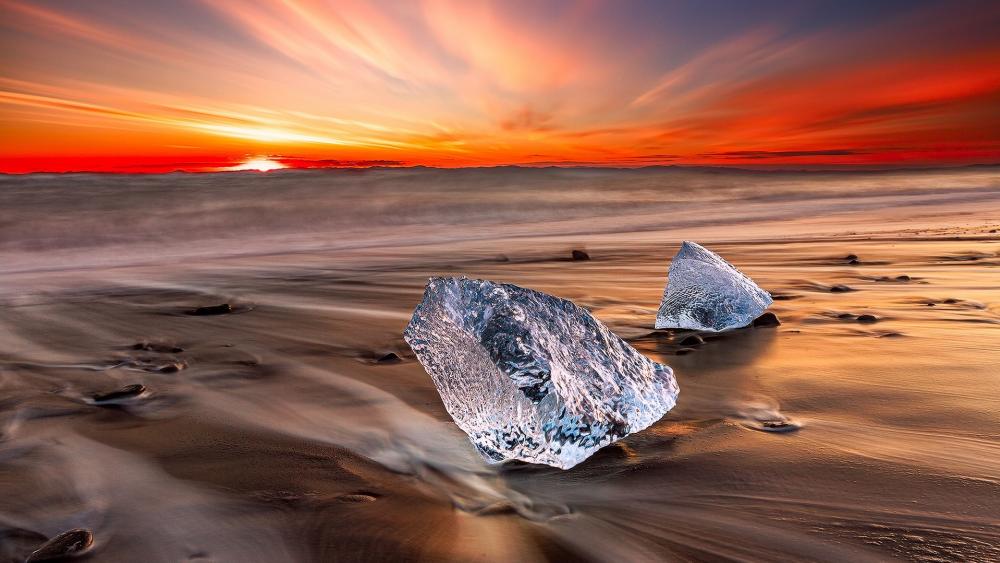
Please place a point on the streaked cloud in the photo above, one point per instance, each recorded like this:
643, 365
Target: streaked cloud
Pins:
455, 83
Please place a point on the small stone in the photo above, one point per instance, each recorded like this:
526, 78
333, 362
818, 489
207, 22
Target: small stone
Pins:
692, 340
357, 498
993, 230
123, 394
851, 257
768, 319
390, 358
222, 309
67, 544
845, 316
950, 301
839, 288
903, 278
867, 319
778, 426
170, 368
580, 255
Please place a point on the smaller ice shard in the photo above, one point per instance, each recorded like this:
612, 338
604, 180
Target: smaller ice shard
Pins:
704, 292
533, 377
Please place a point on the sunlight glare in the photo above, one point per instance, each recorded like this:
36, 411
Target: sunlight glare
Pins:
258, 164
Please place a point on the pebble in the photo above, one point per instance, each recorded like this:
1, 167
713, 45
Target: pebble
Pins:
773, 425
839, 288
125, 393
390, 358
67, 544
356, 498
766, 320
171, 367
692, 340
580, 255
778, 426
867, 319
222, 309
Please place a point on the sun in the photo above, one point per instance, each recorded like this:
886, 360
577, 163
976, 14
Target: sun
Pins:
258, 164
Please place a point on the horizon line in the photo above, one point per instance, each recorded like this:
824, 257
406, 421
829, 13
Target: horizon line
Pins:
742, 167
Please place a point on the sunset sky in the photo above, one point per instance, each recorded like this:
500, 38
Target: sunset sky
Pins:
148, 86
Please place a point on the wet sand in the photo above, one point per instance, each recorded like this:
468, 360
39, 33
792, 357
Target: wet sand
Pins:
274, 432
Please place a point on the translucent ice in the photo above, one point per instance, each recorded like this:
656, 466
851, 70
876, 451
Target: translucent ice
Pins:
533, 377
704, 292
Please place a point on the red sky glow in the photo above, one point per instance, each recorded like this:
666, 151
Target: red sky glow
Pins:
211, 85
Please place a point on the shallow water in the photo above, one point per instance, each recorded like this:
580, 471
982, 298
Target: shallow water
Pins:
274, 433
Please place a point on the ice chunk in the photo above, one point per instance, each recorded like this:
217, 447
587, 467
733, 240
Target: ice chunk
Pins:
704, 292
533, 377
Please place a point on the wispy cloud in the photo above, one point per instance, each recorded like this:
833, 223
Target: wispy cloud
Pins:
469, 83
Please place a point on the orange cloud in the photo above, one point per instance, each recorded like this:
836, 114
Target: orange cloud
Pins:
476, 83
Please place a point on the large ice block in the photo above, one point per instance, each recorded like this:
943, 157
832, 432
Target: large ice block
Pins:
704, 292
530, 376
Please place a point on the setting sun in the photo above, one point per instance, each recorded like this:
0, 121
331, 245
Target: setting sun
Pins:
258, 164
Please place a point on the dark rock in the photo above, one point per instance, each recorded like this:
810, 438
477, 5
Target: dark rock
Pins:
171, 368
580, 255
950, 301
854, 262
766, 320
692, 340
840, 288
867, 319
993, 230
390, 358
778, 426
357, 498
123, 394
502, 258
67, 544
851, 257
903, 278
845, 316
223, 309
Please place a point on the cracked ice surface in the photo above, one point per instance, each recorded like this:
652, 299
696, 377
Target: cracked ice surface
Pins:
704, 292
530, 376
